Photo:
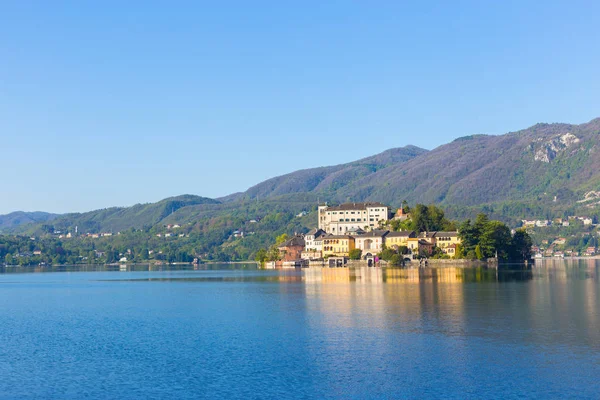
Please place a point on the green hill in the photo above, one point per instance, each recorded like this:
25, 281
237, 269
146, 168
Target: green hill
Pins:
18, 218
121, 218
545, 171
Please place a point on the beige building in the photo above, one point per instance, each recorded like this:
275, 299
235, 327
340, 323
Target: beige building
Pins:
338, 220
370, 242
397, 239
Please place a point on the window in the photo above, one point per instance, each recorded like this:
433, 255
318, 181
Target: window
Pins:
352, 219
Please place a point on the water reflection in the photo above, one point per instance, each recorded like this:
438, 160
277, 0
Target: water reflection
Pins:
128, 268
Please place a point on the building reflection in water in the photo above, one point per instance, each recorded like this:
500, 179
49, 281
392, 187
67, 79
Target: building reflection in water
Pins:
543, 304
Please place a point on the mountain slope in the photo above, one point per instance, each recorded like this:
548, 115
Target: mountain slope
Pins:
329, 179
537, 163
547, 166
17, 218
121, 218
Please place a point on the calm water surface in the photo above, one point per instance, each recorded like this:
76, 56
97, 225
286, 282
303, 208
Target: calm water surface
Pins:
316, 333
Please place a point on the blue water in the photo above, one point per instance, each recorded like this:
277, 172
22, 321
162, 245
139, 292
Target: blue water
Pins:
331, 333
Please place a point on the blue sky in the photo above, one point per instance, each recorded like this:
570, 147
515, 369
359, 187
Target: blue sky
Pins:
116, 103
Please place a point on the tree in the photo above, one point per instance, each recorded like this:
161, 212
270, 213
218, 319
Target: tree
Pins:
387, 254
468, 235
396, 260
478, 253
8, 259
355, 254
261, 256
495, 238
521, 245
460, 251
403, 250
281, 238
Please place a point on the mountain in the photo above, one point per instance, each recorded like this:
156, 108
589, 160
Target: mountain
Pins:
121, 218
542, 170
17, 218
328, 180
534, 164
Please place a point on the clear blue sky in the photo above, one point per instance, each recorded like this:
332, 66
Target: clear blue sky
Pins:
120, 102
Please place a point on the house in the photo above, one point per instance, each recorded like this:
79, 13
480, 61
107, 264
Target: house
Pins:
528, 223
542, 223
560, 241
314, 240
338, 245
590, 251
291, 250
337, 220
123, 259
429, 237
420, 246
447, 240
301, 214
397, 239
371, 242
37, 252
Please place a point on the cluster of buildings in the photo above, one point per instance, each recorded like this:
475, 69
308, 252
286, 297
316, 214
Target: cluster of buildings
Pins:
557, 248
346, 227
541, 223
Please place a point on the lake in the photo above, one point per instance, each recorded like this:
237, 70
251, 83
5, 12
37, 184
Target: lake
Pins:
448, 332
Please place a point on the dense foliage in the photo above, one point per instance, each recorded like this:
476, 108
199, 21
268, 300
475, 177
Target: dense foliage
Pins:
487, 238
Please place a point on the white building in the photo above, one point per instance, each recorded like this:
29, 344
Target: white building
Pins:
313, 240
340, 219
371, 242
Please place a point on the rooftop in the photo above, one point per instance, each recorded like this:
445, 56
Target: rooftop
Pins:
373, 234
338, 237
355, 206
295, 241
446, 234
401, 234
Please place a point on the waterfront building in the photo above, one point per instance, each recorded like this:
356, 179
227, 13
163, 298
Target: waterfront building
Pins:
447, 241
338, 245
397, 239
314, 240
371, 242
291, 250
338, 220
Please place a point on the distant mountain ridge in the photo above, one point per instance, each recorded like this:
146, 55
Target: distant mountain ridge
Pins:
557, 164
18, 218
122, 218
561, 160
329, 179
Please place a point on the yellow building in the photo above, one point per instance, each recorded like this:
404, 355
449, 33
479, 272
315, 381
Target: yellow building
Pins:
397, 239
447, 241
337, 245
